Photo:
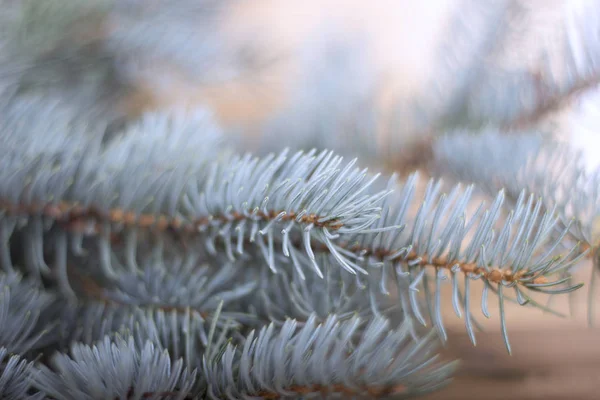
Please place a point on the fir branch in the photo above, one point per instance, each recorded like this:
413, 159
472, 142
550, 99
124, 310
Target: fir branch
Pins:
167, 296
16, 377
25, 319
520, 256
554, 102
64, 178
551, 170
93, 195
291, 295
522, 95
152, 231
506, 260
115, 369
489, 158
191, 40
182, 333
170, 282
574, 193
333, 357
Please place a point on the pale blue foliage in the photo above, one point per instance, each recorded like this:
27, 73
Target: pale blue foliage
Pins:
505, 96
187, 34
320, 358
16, 378
333, 103
488, 158
115, 369
24, 323
162, 296
177, 269
55, 175
443, 234
291, 294
548, 169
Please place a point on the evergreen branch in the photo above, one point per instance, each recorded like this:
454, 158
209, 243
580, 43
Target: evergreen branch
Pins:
291, 295
183, 333
574, 193
555, 102
489, 158
519, 256
191, 40
333, 357
551, 170
24, 323
566, 186
94, 193
156, 297
74, 169
436, 242
172, 282
520, 96
115, 369
151, 231
15, 377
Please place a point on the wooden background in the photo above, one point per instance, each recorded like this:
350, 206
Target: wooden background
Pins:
552, 358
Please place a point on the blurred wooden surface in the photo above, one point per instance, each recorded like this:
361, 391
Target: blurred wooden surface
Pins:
552, 358
555, 364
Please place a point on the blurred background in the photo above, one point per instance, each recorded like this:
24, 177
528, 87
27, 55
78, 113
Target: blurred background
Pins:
378, 80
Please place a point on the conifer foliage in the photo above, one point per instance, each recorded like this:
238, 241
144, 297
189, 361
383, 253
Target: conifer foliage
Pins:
154, 259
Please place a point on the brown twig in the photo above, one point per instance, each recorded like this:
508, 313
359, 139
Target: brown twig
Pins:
75, 217
549, 103
495, 275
